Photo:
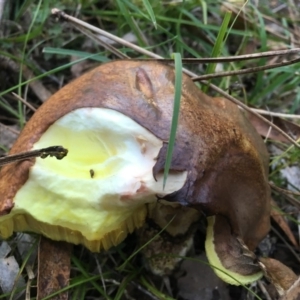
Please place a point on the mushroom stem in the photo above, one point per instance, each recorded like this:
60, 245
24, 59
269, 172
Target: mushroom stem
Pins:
54, 265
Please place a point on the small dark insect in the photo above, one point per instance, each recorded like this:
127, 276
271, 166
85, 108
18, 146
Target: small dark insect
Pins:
58, 151
92, 173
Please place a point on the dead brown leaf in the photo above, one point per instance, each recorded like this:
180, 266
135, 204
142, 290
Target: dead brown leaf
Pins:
264, 129
281, 276
277, 216
293, 293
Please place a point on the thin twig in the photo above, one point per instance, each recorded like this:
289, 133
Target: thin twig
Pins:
115, 282
227, 58
36, 85
58, 151
24, 101
246, 71
123, 42
286, 243
16, 132
105, 45
146, 292
263, 289
289, 198
284, 191
63, 15
100, 273
275, 114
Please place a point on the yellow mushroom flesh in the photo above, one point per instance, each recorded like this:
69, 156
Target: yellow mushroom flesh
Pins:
97, 194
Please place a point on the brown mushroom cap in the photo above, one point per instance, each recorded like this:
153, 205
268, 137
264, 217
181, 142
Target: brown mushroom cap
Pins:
225, 159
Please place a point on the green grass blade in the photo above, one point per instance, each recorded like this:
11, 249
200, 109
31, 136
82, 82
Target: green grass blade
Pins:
8, 108
124, 285
263, 38
59, 51
25, 261
154, 290
35, 33
23, 7
79, 283
122, 267
150, 12
204, 11
178, 30
272, 86
46, 74
217, 49
175, 117
81, 268
20, 104
129, 19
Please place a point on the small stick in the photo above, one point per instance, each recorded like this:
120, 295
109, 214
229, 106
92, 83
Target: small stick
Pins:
283, 191
245, 71
24, 101
54, 267
263, 289
275, 114
58, 151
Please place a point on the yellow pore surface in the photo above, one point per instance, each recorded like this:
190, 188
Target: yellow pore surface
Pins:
98, 192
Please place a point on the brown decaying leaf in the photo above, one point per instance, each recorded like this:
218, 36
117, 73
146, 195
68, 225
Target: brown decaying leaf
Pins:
53, 268
277, 216
293, 293
281, 276
264, 129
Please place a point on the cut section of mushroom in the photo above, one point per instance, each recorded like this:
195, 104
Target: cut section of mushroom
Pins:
115, 121
60, 200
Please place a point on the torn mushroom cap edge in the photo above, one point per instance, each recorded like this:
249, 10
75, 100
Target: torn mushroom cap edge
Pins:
127, 214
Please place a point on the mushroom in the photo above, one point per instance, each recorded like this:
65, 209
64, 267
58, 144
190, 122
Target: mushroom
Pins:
115, 122
167, 236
